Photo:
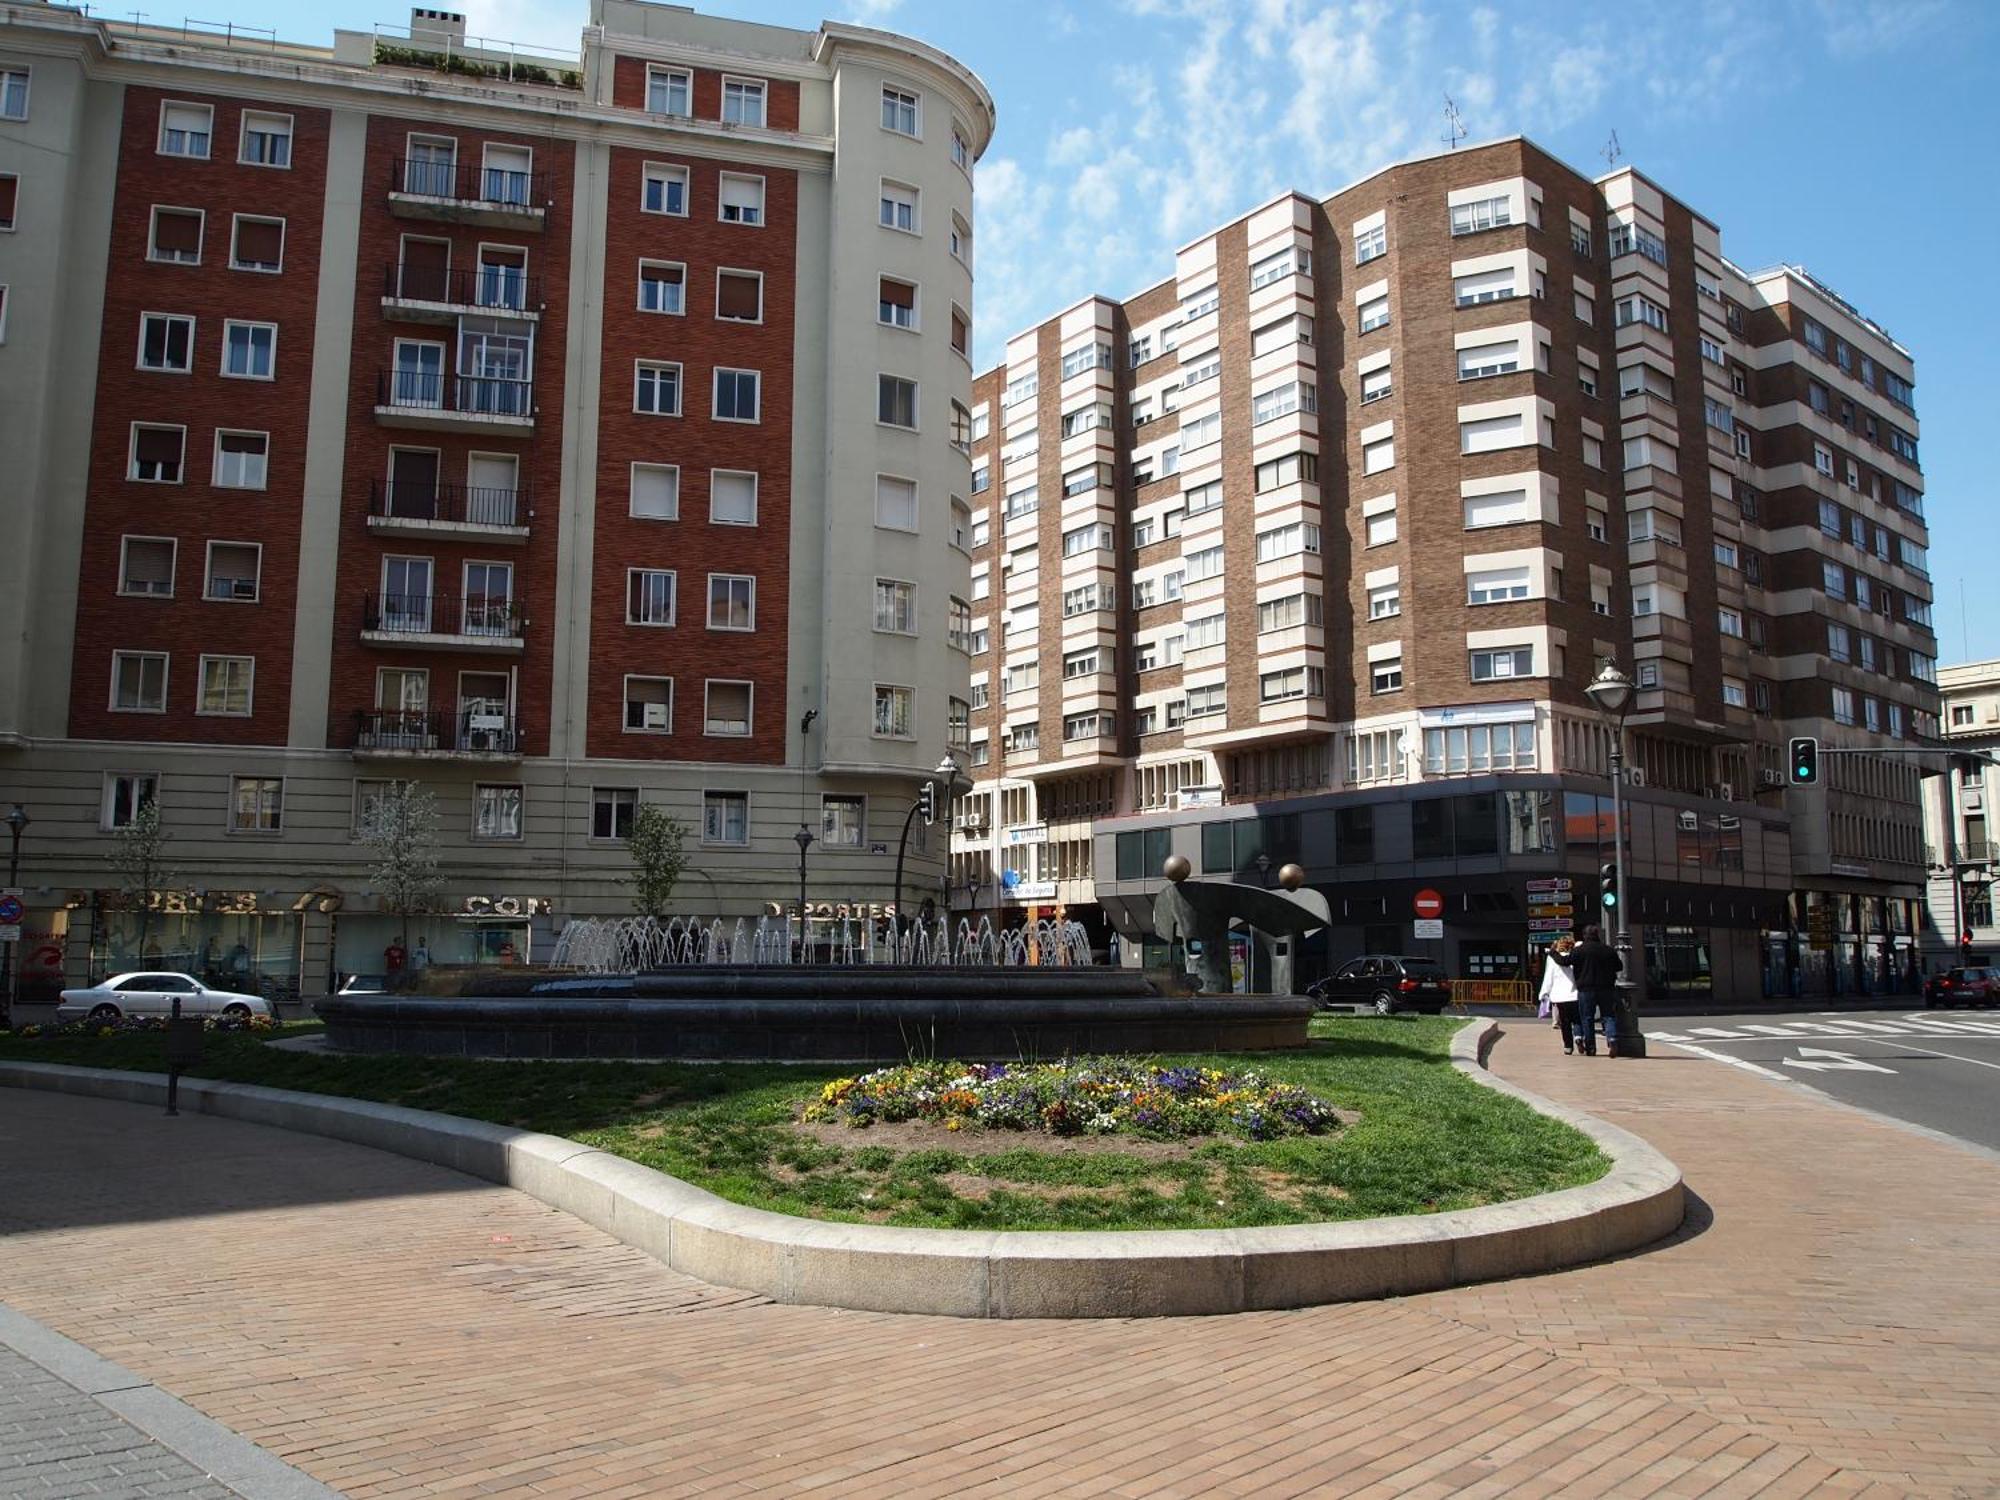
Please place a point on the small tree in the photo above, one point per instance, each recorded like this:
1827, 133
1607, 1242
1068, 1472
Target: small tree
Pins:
657, 859
401, 829
140, 858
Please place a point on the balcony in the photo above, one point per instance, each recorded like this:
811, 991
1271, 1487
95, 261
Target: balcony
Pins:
459, 193
440, 294
482, 622
433, 402
474, 731
452, 512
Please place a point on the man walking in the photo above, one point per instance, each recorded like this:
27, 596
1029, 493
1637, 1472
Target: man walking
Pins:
1595, 966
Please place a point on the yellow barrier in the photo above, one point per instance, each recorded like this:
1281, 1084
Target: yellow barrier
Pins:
1515, 992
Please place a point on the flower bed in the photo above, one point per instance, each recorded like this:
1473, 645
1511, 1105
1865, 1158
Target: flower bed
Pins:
126, 1025
1082, 1096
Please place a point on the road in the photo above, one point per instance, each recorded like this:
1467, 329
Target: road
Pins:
1936, 1068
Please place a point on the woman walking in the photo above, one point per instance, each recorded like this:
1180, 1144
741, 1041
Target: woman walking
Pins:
1559, 995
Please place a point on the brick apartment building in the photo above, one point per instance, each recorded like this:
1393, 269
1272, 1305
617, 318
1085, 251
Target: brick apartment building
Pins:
544, 430
1308, 552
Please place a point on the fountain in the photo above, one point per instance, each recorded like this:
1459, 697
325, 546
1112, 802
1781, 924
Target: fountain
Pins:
843, 989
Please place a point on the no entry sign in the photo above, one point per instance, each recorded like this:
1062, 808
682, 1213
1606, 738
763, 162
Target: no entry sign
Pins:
1429, 904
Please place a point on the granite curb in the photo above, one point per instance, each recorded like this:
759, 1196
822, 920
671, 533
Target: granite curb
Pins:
1005, 1274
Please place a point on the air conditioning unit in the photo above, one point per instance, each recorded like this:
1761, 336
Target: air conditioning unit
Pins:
243, 588
653, 715
1635, 776
1769, 778
1727, 791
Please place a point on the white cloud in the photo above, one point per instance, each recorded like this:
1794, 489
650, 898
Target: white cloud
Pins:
872, 12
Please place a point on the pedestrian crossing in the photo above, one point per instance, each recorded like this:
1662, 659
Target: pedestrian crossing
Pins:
1803, 1030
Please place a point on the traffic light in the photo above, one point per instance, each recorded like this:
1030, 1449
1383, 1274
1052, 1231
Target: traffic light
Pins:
1805, 761
927, 802
1607, 888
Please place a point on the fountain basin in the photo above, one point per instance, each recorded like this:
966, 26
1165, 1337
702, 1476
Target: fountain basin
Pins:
809, 1013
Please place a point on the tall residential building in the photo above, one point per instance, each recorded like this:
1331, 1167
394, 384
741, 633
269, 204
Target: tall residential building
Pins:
1961, 847
1308, 552
558, 433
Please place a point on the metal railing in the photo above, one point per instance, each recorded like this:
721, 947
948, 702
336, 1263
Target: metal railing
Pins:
430, 500
502, 288
473, 728
441, 614
470, 395
464, 182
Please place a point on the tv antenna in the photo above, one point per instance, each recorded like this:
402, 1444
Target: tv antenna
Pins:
1454, 125
1612, 151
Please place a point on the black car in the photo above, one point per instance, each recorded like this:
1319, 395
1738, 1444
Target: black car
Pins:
1387, 982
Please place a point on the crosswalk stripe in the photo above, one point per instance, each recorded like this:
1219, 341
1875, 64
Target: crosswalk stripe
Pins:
1810, 1030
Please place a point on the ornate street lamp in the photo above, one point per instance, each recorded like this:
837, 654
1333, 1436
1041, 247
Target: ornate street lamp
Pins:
1611, 692
17, 821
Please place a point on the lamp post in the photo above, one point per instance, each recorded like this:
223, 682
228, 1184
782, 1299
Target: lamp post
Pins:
17, 821
948, 774
1611, 692
804, 837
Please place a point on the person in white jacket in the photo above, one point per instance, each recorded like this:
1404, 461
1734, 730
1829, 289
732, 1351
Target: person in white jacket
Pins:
1559, 995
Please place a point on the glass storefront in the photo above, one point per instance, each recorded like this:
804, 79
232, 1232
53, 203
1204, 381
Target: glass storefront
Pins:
361, 941
254, 952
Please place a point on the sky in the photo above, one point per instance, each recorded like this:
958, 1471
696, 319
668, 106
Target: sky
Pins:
1848, 136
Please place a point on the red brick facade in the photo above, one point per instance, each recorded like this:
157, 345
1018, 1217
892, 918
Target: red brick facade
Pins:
781, 96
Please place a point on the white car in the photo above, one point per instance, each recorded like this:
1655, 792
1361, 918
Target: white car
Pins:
153, 995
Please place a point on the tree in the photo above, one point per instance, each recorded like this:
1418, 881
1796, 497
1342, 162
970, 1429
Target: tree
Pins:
140, 858
401, 828
657, 859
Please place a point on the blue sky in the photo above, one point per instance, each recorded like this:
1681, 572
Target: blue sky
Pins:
1851, 136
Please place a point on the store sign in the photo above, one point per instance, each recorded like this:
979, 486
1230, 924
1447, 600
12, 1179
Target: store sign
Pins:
1033, 833
1033, 890
831, 910
1428, 927
1201, 796
507, 906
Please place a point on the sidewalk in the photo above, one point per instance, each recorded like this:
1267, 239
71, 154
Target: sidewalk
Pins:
1828, 1323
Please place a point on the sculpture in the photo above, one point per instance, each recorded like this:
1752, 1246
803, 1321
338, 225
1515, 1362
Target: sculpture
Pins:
1200, 913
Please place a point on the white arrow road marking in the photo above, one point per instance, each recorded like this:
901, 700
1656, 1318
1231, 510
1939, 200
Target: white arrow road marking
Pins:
1834, 1060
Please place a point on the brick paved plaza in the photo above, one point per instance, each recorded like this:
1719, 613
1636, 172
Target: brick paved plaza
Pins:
1828, 1322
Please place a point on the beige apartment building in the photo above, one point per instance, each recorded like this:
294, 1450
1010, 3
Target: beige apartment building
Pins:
533, 428
1307, 552
1961, 850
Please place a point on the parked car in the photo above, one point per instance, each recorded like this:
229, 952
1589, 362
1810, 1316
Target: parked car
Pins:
153, 994
364, 984
1967, 987
1388, 982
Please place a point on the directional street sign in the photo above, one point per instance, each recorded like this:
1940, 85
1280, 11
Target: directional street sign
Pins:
1555, 883
1539, 909
1550, 924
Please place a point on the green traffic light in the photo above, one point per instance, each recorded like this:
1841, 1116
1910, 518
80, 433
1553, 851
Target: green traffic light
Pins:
1610, 899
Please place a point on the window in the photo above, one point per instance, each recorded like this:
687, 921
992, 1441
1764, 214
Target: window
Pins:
1834, 578
669, 91
1843, 706
1497, 585
249, 350
896, 304
1488, 434
960, 429
1484, 286
1478, 749
612, 811
732, 497
1080, 601
1385, 601
1379, 529
664, 189
1508, 661
1378, 455
1481, 361
126, 793
958, 624
146, 566
725, 818
1486, 213
899, 110
157, 454
1291, 261
899, 208
1288, 612
1201, 432
732, 602
739, 198
14, 94
139, 682
233, 571
1091, 476
257, 244
1294, 395
961, 242
1370, 244
895, 606
1593, 451
894, 718
1287, 541
1729, 622
742, 101
176, 236
895, 401
1374, 314
1839, 642
656, 492
649, 705
737, 395
1094, 537
1579, 240
184, 129
895, 503
256, 804
1636, 309
1505, 508
842, 821
1079, 664
727, 714
1385, 675
267, 140
1206, 702
1023, 502
166, 343
225, 685
496, 811
1207, 563
739, 296
649, 596
1814, 335
1375, 385
656, 388
662, 287
1595, 525
1823, 459
961, 153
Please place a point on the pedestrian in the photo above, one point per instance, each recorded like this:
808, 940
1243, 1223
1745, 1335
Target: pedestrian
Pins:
1595, 968
393, 957
420, 960
1559, 994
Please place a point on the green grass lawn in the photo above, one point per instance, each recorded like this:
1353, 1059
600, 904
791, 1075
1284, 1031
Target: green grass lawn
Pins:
1426, 1139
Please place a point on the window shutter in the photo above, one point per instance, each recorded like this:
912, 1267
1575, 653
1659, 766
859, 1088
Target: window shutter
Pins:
159, 445
150, 563
739, 296
177, 232
9, 187
259, 242
898, 293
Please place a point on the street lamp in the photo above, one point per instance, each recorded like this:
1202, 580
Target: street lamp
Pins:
17, 821
804, 837
1611, 692
947, 771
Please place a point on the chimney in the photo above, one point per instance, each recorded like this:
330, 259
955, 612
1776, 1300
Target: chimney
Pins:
437, 30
